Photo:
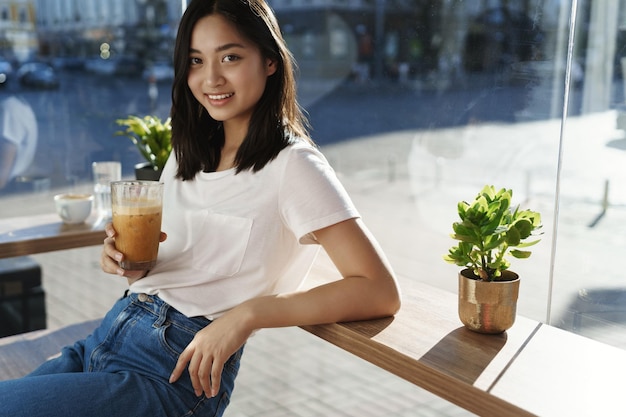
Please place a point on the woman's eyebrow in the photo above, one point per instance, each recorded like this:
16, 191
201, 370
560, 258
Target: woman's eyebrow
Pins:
229, 46
220, 48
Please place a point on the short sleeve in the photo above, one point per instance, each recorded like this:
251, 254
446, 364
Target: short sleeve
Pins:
311, 196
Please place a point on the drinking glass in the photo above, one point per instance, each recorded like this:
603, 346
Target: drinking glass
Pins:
137, 208
104, 172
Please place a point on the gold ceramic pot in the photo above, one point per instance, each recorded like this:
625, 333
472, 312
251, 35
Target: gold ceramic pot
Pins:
488, 307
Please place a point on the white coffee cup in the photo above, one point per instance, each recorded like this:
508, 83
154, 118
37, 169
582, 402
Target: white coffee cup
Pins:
73, 208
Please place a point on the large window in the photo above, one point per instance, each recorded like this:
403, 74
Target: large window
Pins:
416, 103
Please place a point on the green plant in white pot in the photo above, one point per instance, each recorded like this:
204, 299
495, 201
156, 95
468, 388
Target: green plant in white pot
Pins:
489, 232
153, 139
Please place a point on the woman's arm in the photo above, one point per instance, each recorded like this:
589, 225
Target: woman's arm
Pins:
368, 290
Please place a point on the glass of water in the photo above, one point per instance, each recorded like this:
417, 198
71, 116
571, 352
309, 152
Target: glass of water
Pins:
104, 172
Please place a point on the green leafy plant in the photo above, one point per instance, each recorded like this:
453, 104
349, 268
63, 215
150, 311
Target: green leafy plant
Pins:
489, 231
150, 135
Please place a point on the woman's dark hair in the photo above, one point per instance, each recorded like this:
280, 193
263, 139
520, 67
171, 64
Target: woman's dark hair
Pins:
197, 138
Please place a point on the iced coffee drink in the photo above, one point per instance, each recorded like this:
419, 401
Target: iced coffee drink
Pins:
137, 211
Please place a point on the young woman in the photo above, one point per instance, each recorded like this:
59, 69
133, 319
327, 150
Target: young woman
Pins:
248, 201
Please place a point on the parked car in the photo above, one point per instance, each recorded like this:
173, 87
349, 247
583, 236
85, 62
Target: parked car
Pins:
6, 71
38, 75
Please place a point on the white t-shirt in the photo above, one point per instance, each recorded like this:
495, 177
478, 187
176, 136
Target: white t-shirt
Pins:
18, 125
235, 237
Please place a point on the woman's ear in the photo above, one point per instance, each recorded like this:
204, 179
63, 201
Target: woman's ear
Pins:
270, 67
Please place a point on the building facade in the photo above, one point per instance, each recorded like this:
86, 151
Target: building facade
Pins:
18, 37
326, 35
78, 28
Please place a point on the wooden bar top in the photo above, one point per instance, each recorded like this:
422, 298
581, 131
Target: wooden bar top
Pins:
426, 344
559, 373
531, 369
20, 236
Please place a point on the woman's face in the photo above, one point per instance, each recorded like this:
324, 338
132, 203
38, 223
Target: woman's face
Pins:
227, 73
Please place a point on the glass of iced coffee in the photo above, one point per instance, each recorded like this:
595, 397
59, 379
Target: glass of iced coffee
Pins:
137, 210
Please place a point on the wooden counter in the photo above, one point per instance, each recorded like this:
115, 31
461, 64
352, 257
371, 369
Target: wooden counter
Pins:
21, 236
426, 344
531, 369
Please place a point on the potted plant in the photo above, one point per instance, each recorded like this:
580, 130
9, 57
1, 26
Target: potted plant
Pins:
153, 138
489, 232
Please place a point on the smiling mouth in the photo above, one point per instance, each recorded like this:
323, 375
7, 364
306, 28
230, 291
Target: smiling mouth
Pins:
220, 96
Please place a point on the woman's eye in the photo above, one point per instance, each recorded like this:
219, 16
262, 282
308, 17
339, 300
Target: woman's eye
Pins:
230, 58
195, 61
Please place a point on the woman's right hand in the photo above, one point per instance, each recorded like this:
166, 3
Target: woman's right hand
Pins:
110, 257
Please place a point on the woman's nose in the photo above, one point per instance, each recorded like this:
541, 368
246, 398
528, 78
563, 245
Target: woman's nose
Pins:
213, 75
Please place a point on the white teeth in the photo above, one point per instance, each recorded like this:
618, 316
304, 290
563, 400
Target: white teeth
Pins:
219, 96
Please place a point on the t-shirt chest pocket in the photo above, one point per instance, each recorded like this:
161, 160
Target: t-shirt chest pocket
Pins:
221, 243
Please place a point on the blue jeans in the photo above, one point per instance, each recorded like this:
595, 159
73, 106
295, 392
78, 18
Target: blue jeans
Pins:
121, 369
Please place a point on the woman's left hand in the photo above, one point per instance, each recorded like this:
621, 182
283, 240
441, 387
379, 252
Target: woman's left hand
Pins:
208, 352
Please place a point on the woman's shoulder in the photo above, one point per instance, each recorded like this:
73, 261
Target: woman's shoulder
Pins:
300, 148
302, 158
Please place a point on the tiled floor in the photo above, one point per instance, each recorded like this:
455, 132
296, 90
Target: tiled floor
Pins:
288, 372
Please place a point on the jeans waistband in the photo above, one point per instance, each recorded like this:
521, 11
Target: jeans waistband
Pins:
161, 309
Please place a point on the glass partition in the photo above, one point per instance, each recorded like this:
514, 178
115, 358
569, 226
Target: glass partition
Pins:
588, 293
416, 103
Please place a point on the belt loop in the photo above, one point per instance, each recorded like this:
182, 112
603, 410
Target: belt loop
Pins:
162, 317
